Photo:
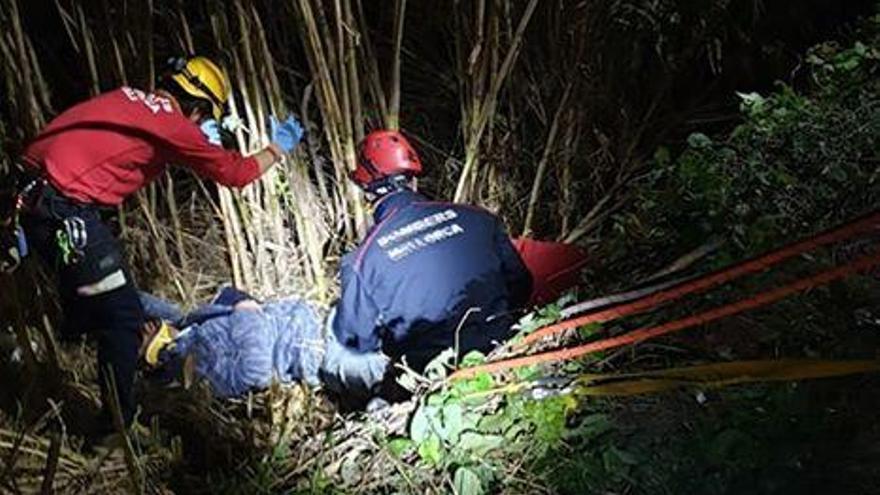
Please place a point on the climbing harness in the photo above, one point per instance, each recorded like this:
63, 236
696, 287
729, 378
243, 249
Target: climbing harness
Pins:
71, 237
860, 226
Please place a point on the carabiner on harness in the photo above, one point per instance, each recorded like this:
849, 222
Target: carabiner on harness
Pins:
72, 239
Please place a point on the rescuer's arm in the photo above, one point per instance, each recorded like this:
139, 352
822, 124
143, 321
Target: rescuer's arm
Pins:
269, 156
190, 147
357, 320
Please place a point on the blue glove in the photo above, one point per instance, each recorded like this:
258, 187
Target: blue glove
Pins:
211, 131
232, 123
286, 134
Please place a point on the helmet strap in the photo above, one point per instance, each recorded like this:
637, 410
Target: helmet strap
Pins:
385, 186
176, 64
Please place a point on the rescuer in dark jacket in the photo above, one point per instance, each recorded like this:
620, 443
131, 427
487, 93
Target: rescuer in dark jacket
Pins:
430, 275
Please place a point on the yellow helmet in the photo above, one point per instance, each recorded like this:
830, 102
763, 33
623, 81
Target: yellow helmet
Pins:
204, 79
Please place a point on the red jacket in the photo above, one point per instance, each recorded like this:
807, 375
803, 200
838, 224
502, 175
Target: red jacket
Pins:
106, 148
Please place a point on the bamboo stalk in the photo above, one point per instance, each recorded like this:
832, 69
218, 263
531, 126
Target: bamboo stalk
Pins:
488, 102
254, 230
356, 98
188, 44
337, 121
173, 211
88, 49
148, 41
312, 146
347, 129
134, 469
40, 81
33, 119
160, 247
51, 464
392, 120
369, 56
571, 143
549, 147
280, 178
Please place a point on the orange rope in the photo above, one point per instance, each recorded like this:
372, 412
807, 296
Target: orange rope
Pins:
754, 265
642, 334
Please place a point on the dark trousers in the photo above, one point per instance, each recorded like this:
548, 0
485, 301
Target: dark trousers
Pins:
97, 293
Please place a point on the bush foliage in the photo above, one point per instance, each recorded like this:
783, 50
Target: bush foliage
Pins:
799, 162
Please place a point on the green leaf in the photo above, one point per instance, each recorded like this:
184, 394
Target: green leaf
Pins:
453, 422
528, 324
752, 101
431, 450
420, 427
467, 482
624, 456
480, 444
591, 426
517, 429
437, 399
589, 330
860, 48
495, 423
526, 373
850, 64
480, 383
473, 358
400, 446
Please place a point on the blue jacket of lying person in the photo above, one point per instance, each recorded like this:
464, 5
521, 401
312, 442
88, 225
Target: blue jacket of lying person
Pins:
239, 345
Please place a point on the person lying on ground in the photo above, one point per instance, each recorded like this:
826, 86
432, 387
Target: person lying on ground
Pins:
231, 341
239, 345
92, 157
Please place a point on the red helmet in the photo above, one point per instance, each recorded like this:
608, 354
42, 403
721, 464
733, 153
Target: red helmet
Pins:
384, 154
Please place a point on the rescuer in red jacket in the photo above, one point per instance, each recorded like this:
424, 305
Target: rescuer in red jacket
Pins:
95, 155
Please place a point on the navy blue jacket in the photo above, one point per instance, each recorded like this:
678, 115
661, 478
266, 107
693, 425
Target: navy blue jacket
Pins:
424, 268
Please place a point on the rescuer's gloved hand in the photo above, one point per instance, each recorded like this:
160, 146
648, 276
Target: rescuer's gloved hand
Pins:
211, 131
232, 123
286, 134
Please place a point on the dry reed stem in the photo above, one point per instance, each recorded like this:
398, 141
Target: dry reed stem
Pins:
51, 464
131, 461
367, 54
486, 103
549, 148
20, 54
392, 118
